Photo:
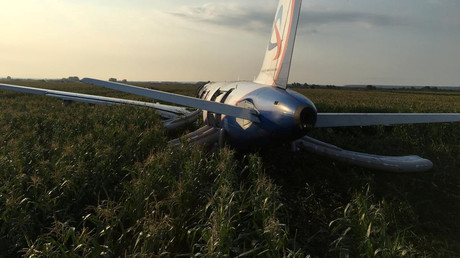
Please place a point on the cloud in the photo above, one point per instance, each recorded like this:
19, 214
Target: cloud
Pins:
258, 18
228, 15
369, 19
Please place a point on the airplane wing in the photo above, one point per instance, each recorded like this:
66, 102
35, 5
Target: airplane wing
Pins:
212, 106
367, 119
165, 111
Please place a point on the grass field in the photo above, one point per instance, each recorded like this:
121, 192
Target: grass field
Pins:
88, 180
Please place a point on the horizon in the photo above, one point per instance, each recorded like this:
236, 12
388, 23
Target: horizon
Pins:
194, 82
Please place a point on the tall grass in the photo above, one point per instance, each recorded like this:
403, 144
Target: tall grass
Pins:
90, 181
369, 228
85, 181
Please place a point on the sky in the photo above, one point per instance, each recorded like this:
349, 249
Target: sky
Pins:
378, 42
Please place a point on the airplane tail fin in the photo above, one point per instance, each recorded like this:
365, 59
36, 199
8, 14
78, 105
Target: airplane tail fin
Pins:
277, 62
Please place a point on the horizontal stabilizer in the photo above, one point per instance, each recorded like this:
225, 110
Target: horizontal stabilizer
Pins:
215, 107
368, 119
384, 163
165, 111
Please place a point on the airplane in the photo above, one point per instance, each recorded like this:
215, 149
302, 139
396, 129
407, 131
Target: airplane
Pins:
262, 112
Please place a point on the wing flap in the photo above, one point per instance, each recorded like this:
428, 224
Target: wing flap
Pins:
368, 119
212, 106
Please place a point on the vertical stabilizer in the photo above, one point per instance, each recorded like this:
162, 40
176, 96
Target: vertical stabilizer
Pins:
277, 62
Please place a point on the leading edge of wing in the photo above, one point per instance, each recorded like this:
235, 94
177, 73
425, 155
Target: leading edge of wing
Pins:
164, 110
368, 119
187, 101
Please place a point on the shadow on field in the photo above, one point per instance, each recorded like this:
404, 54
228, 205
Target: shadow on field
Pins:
419, 210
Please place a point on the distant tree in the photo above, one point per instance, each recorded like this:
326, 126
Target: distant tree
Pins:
73, 78
8, 78
113, 79
305, 85
124, 81
426, 88
370, 87
201, 83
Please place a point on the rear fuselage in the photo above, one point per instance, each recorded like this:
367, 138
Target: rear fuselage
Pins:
285, 115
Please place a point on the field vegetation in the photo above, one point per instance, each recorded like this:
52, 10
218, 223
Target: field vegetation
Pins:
89, 181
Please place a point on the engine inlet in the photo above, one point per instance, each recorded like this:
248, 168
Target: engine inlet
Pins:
305, 117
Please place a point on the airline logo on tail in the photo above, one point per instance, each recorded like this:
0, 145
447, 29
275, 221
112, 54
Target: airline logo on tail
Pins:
276, 31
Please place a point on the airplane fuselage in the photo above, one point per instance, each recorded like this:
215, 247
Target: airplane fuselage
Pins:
285, 115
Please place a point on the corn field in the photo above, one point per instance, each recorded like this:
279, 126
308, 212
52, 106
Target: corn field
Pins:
89, 181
